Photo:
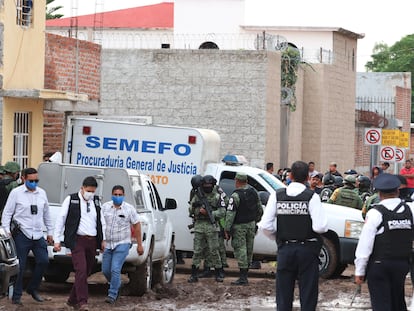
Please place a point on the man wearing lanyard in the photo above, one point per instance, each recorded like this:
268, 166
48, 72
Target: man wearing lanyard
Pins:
28, 208
84, 233
299, 218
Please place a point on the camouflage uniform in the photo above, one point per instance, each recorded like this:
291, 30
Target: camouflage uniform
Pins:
206, 233
346, 196
243, 232
373, 199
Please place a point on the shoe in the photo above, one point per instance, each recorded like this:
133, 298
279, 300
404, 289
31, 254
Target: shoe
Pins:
110, 300
69, 306
255, 265
35, 295
17, 302
84, 308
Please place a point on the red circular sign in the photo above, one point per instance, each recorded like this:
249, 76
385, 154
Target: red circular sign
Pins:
387, 153
373, 136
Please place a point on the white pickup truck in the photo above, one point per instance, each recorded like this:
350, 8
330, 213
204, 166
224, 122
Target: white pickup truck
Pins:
157, 264
344, 223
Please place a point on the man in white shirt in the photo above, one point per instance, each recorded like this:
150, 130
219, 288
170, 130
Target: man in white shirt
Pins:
28, 208
300, 219
84, 232
384, 247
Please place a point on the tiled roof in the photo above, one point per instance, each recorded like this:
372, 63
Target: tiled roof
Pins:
151, 16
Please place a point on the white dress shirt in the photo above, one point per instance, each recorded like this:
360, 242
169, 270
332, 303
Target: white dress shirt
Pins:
319, 220
87, 224
369, 231
18, 208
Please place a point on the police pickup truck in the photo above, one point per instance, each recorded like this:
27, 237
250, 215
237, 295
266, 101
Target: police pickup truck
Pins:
157, 264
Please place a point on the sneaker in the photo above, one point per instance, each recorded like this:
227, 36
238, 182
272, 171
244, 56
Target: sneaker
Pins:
110, 300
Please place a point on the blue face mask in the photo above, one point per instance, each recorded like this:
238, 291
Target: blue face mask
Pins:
31, 185
117, 199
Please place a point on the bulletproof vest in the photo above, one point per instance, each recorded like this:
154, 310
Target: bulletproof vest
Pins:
73, 220
213, 200
347, 197
293, 218
396, 240
325, 194
247, 209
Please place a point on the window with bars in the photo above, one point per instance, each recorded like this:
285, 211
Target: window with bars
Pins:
24, 12
21, 138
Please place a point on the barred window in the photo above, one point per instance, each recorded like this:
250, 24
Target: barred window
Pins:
24, 10
21, 138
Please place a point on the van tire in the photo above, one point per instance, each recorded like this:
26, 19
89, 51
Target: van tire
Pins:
140, 280
328, 259
164, 270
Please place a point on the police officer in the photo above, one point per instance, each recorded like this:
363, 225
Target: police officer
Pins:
243, 212
300, 218
347, 195
206, 207
328, 181
364, 187
384, 247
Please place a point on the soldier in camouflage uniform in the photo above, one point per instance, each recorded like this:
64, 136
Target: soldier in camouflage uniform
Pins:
244, 211
206, 229
347, 195
11, 172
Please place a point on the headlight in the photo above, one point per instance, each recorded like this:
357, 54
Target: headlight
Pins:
353, 229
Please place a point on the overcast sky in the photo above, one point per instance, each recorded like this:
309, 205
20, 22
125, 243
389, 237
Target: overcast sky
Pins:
380, 21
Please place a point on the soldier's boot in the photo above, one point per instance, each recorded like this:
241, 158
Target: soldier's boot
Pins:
207, 273
194, 275
242, 279
219, 275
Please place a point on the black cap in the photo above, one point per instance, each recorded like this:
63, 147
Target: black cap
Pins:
386, 182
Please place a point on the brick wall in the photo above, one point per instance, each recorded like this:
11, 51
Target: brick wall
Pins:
60, 65
53, 131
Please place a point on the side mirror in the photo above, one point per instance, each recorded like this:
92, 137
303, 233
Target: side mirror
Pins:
170, 204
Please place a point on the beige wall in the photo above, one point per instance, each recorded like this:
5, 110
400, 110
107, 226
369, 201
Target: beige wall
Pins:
23, 69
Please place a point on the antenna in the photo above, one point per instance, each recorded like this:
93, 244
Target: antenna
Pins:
98, 22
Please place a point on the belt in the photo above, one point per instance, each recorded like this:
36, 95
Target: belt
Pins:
87, 236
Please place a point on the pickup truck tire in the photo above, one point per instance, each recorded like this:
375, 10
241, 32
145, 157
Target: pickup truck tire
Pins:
140, 280
56, 274
164, 270
328, 259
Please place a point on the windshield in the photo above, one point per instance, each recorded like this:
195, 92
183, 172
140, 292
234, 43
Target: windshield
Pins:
272, 181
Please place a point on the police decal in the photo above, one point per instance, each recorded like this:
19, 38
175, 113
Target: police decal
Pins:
292, 208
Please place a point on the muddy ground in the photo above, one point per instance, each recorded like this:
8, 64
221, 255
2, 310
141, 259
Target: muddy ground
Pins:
335, 294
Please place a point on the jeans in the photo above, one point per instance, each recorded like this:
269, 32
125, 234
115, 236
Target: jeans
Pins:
112, 262
39, 249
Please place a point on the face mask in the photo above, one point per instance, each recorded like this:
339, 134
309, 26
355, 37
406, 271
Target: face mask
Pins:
207, 189
88, 195
31, 185
117, 199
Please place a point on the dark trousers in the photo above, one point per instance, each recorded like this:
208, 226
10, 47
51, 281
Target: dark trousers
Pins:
297, 261
39, 249
386, 279
83, 260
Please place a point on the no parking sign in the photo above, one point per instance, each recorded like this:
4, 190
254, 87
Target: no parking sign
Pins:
399, 155
387, 153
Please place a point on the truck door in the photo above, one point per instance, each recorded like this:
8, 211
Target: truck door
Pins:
160, 218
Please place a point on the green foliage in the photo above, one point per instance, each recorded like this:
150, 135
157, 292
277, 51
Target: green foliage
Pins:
289, 75
397, 58
50, 12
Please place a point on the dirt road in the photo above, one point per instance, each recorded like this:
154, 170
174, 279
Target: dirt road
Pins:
207, 294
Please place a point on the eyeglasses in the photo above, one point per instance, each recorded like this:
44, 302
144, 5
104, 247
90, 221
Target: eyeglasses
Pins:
33, 180
88, 209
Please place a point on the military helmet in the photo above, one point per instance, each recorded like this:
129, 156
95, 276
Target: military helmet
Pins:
208, 179
328, 179
338, 181
364, 181
349, 179
351, 171
196, 181
11, 167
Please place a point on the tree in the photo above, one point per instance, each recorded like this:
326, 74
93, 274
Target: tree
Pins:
396, 58
50, 12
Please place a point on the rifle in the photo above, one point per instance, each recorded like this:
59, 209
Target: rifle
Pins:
207, 206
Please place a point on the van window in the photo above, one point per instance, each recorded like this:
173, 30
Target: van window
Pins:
137, 191
272, 181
